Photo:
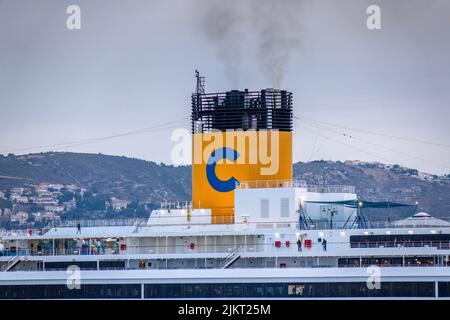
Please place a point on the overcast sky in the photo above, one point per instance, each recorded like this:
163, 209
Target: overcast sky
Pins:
131, 66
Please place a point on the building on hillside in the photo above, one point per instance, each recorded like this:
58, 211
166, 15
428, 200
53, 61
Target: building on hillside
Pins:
118, 204
55, 186
42, 187
72, 187
70, 204
46, 216
36, 215
22, 199
46, 200
20, 216
352, 162
16, 193
55, 209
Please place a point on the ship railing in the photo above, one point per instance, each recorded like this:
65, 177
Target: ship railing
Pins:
411, 265
73, 224
331, 189
386, 224
442, 245
22, 232
57, 252
227, 222
286, 183
164, 247
119, 222
297, 183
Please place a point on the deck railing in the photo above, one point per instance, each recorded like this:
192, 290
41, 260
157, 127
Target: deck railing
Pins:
283, 248
102, 222
331, 189
222, 222
287, 183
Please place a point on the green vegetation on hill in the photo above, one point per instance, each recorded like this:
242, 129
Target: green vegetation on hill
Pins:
144, 182
111, 176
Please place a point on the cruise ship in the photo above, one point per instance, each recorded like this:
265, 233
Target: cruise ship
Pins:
251, 231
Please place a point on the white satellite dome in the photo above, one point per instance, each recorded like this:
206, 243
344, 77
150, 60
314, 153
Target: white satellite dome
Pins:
421, 215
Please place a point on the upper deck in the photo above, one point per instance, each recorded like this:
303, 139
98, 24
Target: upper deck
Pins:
269, 224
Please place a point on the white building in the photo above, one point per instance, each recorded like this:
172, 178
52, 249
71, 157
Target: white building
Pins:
22, 199
55, 186
118, 204
20, 216
55, 209
16, 193
70, 204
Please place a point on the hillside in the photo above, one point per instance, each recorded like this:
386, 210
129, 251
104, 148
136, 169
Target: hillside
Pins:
148, 182
378, 182
121, 177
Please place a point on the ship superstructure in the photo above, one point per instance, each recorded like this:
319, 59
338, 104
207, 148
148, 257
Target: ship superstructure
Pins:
250, 231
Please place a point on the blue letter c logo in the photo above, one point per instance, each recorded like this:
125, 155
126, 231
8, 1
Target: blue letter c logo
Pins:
216, 183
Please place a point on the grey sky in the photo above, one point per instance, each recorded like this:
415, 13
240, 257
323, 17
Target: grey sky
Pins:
131, 66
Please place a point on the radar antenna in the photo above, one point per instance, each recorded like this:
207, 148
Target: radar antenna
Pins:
200, 87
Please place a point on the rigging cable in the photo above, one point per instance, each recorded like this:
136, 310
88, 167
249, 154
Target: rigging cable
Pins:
376, 133
76, 143
380, 146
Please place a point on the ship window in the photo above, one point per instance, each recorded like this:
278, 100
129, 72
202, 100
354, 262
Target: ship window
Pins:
193, 290
285, 207
400, 240
359, 289
174, 290
384, 291
254, 290
296, 290
444, 289
264, 208
403, 289
233, 290
274, 290
316, 289
154, 291
113, 264
425, 289
215, 290
338, 289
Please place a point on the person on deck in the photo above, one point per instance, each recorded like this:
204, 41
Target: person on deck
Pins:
299, 244
324, 245
78, 228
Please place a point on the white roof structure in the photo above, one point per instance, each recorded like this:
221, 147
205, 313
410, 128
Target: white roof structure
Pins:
421, 219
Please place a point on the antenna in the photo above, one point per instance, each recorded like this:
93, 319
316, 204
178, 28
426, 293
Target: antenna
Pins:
200, 87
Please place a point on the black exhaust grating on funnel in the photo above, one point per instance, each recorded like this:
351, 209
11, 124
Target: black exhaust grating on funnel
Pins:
268, 109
